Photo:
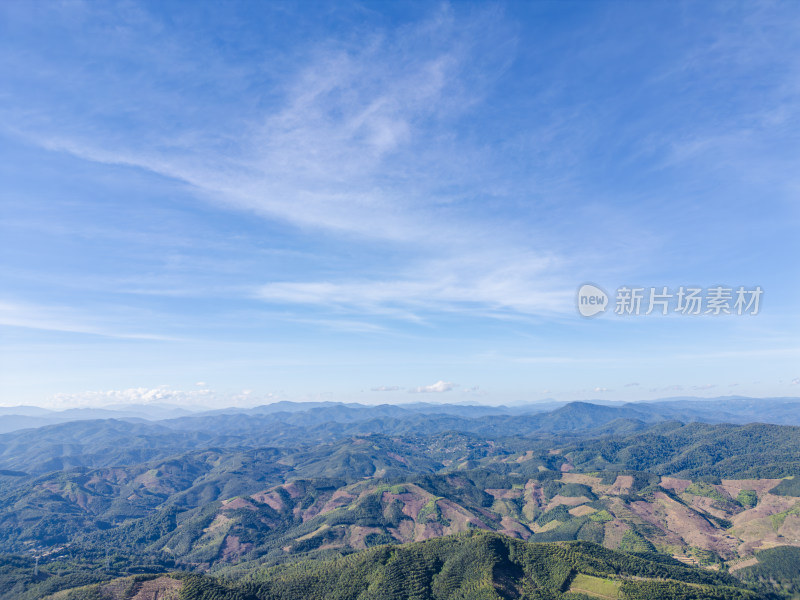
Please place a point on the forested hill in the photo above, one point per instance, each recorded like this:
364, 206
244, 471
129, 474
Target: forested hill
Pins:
470, 566
695, 450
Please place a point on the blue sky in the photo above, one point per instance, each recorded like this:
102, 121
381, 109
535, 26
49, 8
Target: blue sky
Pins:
232, 203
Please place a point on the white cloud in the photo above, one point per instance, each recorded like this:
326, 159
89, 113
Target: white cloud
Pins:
386, 388
141, 395
796, 381
438, 387
192, 399
601, 389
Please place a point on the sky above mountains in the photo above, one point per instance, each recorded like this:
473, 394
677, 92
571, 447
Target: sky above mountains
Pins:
234, 203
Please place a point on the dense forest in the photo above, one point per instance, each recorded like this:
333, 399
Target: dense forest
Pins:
476, 565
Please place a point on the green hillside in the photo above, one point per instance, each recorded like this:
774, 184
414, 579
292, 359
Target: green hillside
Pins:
469, 566
697, 449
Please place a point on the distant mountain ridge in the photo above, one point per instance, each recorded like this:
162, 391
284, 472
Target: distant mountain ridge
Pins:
104, 441
14, 418
724, 409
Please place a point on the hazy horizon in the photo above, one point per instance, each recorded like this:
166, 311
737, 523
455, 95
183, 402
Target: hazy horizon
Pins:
192, 406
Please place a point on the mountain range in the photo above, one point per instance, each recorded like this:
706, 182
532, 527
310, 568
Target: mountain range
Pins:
329, 500
727, 409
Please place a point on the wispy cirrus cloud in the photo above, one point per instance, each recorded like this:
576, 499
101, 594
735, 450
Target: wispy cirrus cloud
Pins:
387, 297
69, 320
485, 284
346, 145
358, 140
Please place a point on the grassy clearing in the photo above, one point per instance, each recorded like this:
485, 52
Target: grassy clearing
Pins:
595, 586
